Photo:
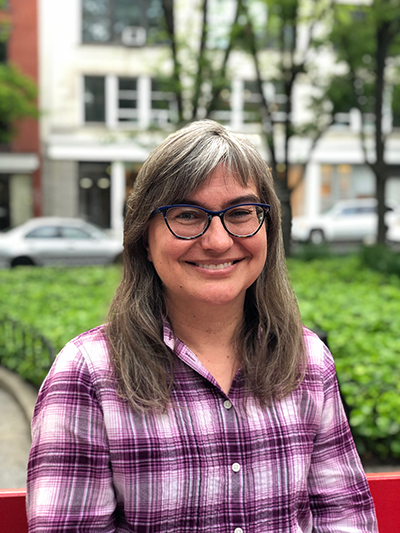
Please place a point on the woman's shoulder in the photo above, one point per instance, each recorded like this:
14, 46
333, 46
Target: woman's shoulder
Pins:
318, 354
88, 352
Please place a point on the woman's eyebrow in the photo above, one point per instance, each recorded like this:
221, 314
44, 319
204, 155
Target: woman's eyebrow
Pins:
248, 198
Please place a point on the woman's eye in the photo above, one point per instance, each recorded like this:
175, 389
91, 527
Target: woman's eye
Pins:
240, 213
187, 216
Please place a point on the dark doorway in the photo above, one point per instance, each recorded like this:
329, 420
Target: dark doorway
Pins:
94, 193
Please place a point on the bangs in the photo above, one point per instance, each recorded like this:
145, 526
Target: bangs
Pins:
178, 177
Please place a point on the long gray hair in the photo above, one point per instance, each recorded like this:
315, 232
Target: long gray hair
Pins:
269, 343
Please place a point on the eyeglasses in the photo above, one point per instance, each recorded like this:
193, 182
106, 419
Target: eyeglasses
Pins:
189, 221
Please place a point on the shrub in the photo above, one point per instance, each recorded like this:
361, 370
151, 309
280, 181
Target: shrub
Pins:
58, 302
360, 311
381, 258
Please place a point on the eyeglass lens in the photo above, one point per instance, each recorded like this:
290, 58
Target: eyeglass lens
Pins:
191, 222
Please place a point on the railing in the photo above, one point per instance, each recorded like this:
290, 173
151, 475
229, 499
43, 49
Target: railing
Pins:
385, 490
24, 350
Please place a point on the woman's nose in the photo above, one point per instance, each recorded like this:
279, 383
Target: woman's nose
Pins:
216, 237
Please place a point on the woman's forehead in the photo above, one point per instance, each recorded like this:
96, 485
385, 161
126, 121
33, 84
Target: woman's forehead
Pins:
225, 173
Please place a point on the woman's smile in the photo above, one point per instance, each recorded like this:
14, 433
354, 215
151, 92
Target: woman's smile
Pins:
214, 266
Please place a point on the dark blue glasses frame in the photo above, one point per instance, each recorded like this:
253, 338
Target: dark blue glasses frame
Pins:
210, 214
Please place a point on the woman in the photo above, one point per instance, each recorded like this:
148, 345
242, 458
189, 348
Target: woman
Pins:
203, 404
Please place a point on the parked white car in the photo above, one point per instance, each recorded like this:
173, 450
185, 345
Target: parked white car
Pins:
348, 220
393, 232
57, 241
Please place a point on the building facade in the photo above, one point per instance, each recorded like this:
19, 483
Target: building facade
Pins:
104, 109
20, 166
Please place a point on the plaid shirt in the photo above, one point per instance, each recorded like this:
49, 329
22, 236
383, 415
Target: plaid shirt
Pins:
207, 464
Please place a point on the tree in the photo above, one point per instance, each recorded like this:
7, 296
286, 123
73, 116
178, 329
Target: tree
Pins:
17, 100
289, 34
199, 70
367, 41
17, 92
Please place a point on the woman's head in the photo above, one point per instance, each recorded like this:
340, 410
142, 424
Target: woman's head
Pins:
269, 342
179, 166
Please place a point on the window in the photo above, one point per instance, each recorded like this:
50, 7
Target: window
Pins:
94, 96
133, 23
128, 101
240, 103
251, 102
45, 232
221, 16
74, 233
163, 104
222, 106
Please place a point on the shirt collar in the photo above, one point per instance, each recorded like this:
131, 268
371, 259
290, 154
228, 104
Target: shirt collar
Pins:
188, 357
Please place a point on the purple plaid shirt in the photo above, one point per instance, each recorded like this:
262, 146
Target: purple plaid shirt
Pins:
207, 464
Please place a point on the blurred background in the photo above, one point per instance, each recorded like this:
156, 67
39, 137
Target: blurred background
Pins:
88, 88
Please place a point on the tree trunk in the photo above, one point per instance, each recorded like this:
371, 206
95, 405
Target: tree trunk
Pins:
380, 181
380, 168
283, 192
168, 7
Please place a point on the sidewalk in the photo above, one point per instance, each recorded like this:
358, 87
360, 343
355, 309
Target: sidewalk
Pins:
17, 401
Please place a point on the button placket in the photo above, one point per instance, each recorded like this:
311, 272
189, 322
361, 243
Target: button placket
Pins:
235, 467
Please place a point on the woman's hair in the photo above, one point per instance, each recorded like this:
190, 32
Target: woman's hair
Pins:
269, 344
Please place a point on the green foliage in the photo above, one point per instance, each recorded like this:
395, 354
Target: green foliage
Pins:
308, 251
355, 39
24, 350
17, 100
58, 302
381, 258
360, 311
358, 308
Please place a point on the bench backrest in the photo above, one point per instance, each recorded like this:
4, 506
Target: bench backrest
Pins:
385, 490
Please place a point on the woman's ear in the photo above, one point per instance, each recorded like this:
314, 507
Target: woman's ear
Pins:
145, 240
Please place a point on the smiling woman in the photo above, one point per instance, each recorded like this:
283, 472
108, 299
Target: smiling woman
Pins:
203, 405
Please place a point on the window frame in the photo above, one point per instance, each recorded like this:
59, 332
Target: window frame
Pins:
115, 37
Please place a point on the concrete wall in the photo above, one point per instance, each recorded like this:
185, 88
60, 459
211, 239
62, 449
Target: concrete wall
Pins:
60, 185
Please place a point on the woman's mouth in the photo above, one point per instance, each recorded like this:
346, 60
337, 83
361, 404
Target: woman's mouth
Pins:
215, 266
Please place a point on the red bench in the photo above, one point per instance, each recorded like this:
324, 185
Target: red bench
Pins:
385, 489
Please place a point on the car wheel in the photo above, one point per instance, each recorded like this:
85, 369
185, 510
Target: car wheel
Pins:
317, 236
22, 261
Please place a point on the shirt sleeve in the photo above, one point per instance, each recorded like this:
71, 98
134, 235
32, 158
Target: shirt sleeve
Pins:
338, 489
69, 485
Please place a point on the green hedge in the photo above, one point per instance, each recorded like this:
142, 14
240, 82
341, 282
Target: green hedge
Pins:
359, 310
58, 302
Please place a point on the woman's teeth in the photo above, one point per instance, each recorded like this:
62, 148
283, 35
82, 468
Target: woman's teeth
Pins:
216, 267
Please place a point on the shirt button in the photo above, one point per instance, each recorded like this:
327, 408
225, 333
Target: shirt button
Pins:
227, 404
238, 530
236, 467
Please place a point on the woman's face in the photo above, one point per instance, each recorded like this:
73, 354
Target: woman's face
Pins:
216, 268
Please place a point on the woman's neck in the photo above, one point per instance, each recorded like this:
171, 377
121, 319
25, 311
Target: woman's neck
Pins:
209, 333
214, 324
